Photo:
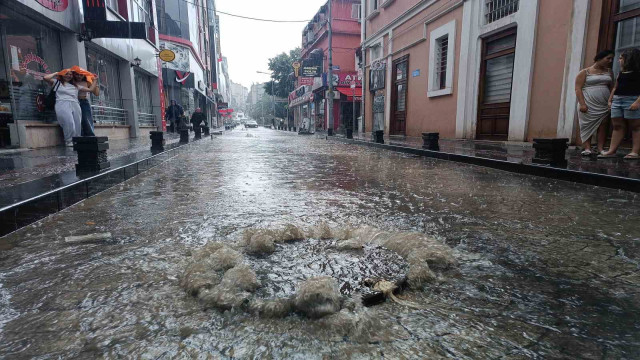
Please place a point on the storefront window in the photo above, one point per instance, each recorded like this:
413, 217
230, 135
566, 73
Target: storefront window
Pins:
143, 93
30, 51
106, 67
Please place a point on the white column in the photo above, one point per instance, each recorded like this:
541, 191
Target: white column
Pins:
573, 63
129, 100
527, 19
155, 102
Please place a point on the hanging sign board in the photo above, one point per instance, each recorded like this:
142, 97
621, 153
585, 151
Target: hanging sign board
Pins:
296, 67
167, 55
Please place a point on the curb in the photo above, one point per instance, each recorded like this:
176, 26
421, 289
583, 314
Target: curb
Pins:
588, 178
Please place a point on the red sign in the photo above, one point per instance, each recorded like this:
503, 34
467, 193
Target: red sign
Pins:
305, 81
54, 5
162, 100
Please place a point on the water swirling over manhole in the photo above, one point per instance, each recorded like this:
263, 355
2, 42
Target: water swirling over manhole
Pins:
315, 272
355, 271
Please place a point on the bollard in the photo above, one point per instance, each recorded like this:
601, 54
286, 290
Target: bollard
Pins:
184, 135
330, 131
92, 153
294, 129
349, 133
430, 141
550, 152
206, 130
379, 136
157, 140
198, 132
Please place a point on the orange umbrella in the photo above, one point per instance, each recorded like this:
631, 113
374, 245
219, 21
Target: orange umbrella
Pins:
77, 69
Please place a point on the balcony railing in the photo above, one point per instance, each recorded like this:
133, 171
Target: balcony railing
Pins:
109, 115
145, 119
497, 9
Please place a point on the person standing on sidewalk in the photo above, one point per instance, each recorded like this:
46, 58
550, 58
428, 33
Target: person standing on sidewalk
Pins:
84, 78
173, 114
68, 110
625, 105
198, 118
593, 88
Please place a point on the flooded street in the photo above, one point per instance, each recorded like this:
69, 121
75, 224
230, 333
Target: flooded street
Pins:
546, 269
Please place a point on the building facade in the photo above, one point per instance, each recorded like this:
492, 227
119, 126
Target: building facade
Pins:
40, 37
484, 69
309, 99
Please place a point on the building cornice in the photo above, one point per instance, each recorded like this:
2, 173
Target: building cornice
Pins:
411, 12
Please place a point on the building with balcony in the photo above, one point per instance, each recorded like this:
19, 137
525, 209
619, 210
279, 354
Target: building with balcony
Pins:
40, 37
308, 100
484, 69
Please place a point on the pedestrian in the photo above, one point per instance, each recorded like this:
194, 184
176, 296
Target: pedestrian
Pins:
198, 119
593, 88
84, 78
173, 114
67, 107
625, 105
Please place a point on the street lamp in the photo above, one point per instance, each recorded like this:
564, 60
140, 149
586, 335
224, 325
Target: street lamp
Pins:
273, 96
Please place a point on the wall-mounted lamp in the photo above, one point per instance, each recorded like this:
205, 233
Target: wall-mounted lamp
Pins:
136, 62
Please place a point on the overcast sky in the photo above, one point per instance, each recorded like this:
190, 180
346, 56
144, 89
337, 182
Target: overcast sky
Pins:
249, 44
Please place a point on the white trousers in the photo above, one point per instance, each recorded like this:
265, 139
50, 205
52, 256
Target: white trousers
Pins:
69, 117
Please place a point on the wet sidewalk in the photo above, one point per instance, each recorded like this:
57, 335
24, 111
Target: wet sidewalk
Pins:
23, 165
519, 153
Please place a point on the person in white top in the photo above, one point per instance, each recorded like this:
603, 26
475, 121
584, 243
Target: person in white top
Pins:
68, 110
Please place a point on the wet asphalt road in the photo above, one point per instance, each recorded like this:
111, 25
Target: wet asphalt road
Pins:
548, 269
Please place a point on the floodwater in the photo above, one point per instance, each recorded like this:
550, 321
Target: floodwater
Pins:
547, 269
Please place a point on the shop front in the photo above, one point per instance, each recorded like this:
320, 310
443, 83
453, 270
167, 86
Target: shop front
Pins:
302, 105
29, 51
347, 87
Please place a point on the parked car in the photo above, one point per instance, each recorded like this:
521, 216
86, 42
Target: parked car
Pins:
251, 124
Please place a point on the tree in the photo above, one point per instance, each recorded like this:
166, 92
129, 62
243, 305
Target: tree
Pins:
281, 68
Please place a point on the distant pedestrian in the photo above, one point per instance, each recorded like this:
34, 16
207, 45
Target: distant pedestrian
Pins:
68, 111
174, 113
84, 78
198, 118
625, 104
593, 88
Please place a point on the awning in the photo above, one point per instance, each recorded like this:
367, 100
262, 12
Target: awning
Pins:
348, 92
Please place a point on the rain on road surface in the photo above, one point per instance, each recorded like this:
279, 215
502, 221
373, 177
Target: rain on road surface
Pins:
548, 269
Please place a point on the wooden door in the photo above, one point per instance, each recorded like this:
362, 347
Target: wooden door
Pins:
496, 77
399, 96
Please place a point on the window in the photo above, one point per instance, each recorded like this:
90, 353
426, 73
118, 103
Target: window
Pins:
376, 51
374, 5
497, 9
355, 11
628, 5
106, 67
441, 60
442, 45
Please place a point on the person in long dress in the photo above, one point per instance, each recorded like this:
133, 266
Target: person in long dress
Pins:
593, 87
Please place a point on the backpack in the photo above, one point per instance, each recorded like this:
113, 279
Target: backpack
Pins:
50, 100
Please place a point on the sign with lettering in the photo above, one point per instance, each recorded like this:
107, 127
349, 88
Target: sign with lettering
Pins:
54, 5
305, 81
415, 73
344, 79
311, 68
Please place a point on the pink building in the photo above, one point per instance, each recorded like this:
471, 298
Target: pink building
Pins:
309, 99
484, 69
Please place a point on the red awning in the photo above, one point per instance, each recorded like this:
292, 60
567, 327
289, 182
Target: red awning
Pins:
348, 92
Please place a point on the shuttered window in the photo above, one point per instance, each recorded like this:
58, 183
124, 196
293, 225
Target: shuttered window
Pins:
499, 74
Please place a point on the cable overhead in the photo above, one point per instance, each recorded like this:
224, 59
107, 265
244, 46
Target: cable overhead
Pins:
265, 20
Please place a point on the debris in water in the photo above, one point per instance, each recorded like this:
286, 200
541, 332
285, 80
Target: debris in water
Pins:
318, 297
89, 238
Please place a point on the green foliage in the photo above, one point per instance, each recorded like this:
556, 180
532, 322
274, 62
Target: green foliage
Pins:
280, 67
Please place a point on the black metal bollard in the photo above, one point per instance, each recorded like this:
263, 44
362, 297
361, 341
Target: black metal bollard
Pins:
184, 135
157, 140
206, 130
330, 131
349, 133
379, 136
197, 130
430, 141
92, 153
550, 152
294, 129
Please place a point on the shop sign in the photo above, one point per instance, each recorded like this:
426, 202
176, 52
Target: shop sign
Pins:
305, 81
311, 68
182, 77
33, 58
344, 79
378, 104
167, 55
300, 91
301, 100
181, 56
379, 65
54, 5
296, 67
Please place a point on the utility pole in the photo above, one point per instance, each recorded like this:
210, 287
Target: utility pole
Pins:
273, 101
330, 75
